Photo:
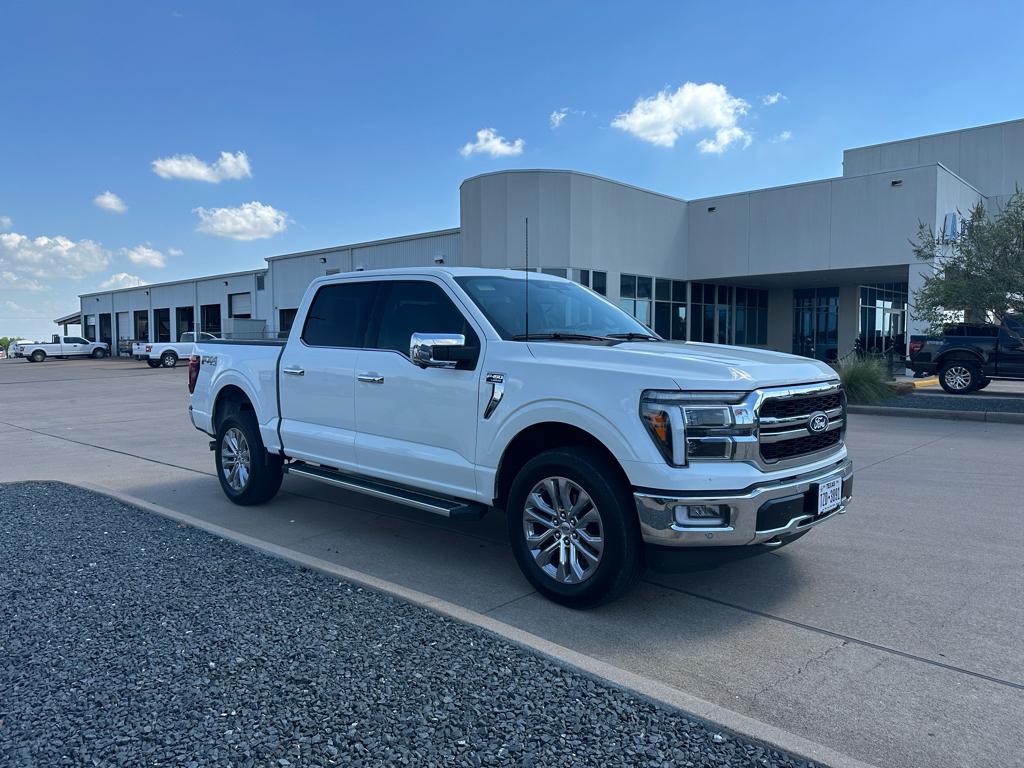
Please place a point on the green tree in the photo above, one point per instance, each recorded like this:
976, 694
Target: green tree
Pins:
980, 272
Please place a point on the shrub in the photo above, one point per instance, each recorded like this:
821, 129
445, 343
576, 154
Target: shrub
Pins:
866, 380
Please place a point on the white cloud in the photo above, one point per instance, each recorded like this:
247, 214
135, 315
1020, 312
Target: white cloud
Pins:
227, 166
145, 255
122, 280
249, 221
15, 282
784, 136
661, 119
175, 252
57, 256
108, 201
558, 116
5, 222
773, 98
488, 142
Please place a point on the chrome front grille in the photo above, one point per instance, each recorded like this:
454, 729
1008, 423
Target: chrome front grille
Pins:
801, 421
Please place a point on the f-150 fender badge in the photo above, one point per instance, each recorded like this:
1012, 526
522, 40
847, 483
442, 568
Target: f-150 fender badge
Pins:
209, 359
497, 382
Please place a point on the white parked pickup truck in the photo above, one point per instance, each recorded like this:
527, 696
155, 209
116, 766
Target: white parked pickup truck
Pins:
165, 354
60, 347
606, 446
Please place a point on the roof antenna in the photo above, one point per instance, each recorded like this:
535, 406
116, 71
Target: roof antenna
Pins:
527, 287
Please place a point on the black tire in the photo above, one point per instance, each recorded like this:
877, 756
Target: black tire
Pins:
621, 561
168, 359
99, 354
38, 356
152, 363
265, 471
958, 377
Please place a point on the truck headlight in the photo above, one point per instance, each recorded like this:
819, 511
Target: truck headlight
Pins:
689, 426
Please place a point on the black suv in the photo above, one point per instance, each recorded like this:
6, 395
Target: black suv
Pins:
970, 355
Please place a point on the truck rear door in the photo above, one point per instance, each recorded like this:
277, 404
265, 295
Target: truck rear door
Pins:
1010, 360
317, 375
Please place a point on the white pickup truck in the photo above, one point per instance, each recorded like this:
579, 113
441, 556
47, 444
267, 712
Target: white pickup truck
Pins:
604, 444
60, 347
165, 354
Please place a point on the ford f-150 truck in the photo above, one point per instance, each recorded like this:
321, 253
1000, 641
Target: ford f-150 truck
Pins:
165, 354
968, 356
457, 390
60, 347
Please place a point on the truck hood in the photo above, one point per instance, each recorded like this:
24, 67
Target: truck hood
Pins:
695, 366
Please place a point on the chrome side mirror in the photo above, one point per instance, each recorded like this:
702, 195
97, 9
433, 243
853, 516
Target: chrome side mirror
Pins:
429, 350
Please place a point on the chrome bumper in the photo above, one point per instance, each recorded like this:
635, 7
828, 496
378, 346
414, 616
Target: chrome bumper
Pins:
656, 511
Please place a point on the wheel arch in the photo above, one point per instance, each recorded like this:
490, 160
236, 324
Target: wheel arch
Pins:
230, 399
967, 355
537, 438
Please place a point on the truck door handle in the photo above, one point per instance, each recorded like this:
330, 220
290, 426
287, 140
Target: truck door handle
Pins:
370, 378
294, 371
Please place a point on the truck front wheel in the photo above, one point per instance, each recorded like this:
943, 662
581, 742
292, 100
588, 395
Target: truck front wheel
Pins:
247, 473
573, 527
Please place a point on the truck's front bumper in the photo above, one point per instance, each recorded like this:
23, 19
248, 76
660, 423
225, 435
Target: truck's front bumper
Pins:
756, 515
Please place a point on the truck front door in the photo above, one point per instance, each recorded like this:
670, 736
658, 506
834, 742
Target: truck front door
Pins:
317, 378
1011, 348
416, 425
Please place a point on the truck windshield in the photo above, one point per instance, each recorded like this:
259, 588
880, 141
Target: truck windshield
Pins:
558, 310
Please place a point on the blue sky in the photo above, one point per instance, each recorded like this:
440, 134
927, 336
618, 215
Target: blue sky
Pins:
345, 122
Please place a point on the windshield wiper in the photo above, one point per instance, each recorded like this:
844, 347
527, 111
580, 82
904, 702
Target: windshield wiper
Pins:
634, 335
558, 336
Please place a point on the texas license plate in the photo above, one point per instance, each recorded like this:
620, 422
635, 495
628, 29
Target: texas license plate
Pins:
830, 495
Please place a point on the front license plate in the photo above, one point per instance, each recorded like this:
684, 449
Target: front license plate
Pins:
830, 495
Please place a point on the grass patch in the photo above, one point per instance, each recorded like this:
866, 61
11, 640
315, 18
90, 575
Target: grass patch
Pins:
865, 380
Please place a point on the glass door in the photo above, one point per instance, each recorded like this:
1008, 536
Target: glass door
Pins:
816, 323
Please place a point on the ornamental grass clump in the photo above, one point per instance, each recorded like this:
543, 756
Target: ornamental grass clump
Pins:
866, 380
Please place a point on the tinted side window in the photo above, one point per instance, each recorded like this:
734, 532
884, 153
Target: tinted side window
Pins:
339, 314
418, 307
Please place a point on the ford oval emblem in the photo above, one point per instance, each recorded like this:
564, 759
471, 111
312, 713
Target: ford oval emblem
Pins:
817, 422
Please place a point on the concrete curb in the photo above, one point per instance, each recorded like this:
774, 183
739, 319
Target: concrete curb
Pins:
652, 691
996, 417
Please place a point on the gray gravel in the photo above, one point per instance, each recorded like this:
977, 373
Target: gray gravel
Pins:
957, 402
128, 639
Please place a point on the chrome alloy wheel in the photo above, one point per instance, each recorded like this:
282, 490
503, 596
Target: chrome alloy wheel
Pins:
234, 458
958, 377
563, 528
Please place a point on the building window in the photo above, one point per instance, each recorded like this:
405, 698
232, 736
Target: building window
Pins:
260, 282
599, 282
635, 295
670, 309
162, 323
209, 318
240, 305
751, 316
882, 325
141, 321
555, 271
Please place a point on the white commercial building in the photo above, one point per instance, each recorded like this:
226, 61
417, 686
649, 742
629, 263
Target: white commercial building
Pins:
809, 268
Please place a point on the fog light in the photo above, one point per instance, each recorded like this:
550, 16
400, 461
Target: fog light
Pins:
701, 514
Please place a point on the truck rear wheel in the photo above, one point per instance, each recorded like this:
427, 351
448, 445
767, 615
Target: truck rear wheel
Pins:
573, 527
168, 359
247, 473
38, 356
99, 354
959, 377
